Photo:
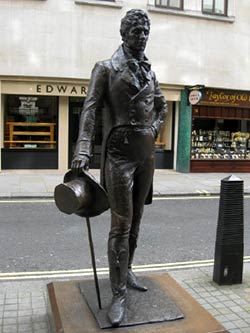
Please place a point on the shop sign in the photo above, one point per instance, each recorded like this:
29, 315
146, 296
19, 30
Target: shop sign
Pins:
194, 97
40, 88
231, 98
61, 89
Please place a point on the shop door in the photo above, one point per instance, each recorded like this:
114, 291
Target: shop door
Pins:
165, 142
75, 109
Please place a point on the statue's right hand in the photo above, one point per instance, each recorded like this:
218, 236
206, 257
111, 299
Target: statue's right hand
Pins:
79, 164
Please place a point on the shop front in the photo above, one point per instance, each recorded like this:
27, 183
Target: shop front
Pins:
35, 122
220, 134
40, 119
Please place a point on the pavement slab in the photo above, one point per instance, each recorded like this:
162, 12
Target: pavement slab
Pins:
24, 303
166, 183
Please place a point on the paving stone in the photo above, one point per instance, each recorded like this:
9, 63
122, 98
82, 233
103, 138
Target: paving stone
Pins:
225, 310
207, 306
39, 318
236, 308
245, 330
232, 317
40, 325
9, 328
218, 305
8, 321
229, 325
39, 304
41, 331
27, 312
241, 324
222, 298
9, 314
214, 312
25, 328
222, 318
24, 300
230, 304
24, 294
24, 320
9, 301
241, 302
39, 311
244, 315
10, 307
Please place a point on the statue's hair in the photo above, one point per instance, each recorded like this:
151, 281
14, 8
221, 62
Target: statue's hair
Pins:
132, 18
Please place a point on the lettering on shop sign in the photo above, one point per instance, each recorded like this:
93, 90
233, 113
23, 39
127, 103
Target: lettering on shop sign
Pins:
61, 89
231, 98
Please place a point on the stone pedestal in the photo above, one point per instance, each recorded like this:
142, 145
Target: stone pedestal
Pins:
71, 313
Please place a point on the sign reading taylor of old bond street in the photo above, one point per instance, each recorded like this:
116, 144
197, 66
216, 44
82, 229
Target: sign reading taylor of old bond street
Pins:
232, 98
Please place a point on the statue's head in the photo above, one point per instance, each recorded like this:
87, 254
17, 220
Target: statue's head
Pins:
135, 27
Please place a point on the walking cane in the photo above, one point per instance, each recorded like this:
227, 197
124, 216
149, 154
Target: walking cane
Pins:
91, 245
82, 195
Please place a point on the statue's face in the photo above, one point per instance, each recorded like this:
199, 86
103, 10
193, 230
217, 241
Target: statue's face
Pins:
136, 37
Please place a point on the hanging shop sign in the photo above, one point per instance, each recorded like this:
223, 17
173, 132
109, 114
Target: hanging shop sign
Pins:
194, 96
41, 88
230, 98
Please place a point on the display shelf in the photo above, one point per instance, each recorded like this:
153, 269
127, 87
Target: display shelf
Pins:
23, 135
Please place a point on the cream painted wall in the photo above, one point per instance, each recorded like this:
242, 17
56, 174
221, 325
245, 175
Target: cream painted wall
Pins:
63, 133
59, 38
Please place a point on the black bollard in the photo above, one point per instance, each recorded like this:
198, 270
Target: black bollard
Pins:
229, 247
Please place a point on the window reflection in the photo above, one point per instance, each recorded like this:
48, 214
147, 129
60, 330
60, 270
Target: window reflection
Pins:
30, 122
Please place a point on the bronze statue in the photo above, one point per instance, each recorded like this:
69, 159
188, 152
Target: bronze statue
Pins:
125, 90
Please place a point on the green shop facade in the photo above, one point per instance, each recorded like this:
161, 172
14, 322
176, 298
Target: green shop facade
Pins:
213, 131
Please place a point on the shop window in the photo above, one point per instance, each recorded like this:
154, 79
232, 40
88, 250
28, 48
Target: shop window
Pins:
215, 7
30, 122
215, 138
172, 4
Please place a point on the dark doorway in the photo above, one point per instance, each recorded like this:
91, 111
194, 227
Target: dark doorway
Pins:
75, 109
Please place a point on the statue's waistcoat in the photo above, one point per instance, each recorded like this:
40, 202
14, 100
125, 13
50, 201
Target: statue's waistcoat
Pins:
126, 102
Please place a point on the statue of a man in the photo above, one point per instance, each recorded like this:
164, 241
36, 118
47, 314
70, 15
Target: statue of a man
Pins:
125, 90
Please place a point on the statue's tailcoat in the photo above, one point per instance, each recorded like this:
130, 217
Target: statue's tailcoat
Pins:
115, 90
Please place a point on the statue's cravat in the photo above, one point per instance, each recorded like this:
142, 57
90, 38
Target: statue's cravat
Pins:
140, 68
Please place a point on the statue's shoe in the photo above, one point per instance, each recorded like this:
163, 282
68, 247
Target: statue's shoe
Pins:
117, 310
132, 282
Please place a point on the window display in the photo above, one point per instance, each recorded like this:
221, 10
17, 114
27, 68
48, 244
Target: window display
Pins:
30, 122
222, 139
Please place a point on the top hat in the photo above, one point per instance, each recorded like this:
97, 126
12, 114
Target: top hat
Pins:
81, 194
